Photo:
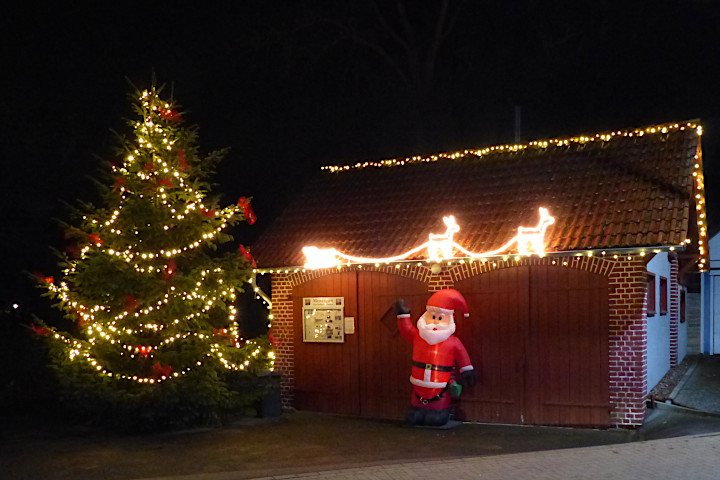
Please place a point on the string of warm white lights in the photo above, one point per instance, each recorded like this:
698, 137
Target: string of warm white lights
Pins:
86, 312
155, 177
558, 142
96, 328
493, 260
660, 129
77, 349
440, 246
700, 209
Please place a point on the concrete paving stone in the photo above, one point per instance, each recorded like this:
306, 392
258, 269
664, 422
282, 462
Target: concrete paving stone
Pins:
694, 457
700, 388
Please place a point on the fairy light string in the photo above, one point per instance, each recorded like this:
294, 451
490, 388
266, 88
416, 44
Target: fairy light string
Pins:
157, 179
658, 129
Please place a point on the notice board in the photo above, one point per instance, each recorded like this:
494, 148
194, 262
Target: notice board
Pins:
324, 319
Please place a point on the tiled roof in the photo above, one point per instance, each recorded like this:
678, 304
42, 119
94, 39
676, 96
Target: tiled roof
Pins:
629, 189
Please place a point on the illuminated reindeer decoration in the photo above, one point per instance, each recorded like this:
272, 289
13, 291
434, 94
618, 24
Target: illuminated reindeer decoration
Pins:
534, 237
441, 245
530, 240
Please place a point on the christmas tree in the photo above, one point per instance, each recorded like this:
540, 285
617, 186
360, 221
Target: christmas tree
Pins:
153, 337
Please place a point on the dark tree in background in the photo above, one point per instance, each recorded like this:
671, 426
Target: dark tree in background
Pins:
153, 337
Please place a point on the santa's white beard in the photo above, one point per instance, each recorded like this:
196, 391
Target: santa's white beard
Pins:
434, 334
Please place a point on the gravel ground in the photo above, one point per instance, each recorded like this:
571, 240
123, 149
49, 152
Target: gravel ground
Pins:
661, 392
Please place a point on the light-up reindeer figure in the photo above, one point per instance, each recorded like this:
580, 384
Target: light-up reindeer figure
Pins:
530, 240
441, 245
533, 238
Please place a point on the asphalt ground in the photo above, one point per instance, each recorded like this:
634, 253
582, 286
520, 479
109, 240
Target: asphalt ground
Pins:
35, 447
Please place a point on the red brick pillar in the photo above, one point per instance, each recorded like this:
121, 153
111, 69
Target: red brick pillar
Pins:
628, 343
674, 309
282, 330
440, 281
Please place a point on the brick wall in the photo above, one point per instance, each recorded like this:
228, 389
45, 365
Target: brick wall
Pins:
282, 330
628, 342
627, 318
674, 309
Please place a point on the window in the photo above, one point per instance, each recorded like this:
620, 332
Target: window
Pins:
651, 311
683, 293
663, 296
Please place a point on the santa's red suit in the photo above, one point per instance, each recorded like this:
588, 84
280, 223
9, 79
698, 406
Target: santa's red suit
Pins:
433, 361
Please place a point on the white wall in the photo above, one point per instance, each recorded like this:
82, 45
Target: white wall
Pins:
710, 314
658, 326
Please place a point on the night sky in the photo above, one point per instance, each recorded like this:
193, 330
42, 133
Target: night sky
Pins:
289, 86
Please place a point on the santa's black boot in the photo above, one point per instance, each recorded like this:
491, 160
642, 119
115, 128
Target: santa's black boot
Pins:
437, 418
416, 416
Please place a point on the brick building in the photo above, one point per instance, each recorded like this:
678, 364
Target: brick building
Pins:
574, 311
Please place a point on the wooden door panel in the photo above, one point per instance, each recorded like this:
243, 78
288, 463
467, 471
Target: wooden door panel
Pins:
567, 371
537, 336
384, 356
494, 338
326, 377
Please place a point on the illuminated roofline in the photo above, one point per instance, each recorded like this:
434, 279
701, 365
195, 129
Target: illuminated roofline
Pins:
589, 252
661, 128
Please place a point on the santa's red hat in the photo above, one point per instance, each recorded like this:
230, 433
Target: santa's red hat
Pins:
450, 300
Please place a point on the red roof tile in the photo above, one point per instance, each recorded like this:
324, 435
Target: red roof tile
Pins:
625, 191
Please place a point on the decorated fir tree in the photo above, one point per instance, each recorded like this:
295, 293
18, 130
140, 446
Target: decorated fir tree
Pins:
150, 297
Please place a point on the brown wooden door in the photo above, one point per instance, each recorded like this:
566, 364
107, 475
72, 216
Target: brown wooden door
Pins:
538, 336
369, 373
385, 357
495, 337
326, 374
568, 380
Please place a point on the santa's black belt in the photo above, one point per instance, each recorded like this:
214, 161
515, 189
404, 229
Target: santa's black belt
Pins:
430, 366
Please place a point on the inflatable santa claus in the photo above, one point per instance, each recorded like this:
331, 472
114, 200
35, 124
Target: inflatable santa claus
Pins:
436, 355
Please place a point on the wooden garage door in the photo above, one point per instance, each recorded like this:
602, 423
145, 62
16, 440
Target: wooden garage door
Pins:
326, 377
368, 373
538, 336
385, 357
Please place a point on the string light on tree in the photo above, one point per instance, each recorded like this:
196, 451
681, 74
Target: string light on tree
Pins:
150, 299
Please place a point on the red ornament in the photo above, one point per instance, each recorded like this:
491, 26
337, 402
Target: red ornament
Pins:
207, 213
148, 166
248, 212
40, 330
170, 270
166, 182
220, 332
130, 303
161, 371
119, 183
273, 341
170, 114
42, 278
182, 161
143, 350
247, 256
95, 239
